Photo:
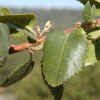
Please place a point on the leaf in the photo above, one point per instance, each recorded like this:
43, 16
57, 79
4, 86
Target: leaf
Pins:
92, 2
97, 1
4, 31
21, 20
57, 92
94, 35
16, 68
22, 31
89, 12
17, 34
97, 12
93, 12
91, 57
5, 11
64, 55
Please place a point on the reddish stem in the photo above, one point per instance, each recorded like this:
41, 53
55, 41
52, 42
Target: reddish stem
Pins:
23, 46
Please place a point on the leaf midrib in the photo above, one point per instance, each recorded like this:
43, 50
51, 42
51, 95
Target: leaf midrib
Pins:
60, 59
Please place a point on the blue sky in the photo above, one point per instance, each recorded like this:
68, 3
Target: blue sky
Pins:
41, 3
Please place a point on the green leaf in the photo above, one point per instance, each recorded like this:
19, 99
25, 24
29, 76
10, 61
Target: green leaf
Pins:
5, 11
89, 12
97, 1
21, 20
92, 2
4, 31
94, 35
93, 12
21, 31
91, 57
63, 56
17, 34
97, 12
16, 68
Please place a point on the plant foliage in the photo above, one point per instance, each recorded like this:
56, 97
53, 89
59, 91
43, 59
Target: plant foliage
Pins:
65, 54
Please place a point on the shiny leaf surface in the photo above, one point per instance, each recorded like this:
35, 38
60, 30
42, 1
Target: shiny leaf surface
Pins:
89, 12
4, 31
63, 56
4, 11
91, 56
94, 35
22, 20
97, 1
97, 12
15, 70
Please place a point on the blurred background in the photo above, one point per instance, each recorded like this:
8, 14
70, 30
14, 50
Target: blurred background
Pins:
84, 86
63, 12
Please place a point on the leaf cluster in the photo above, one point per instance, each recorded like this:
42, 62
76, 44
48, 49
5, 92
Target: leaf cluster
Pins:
64, 55
14, 25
